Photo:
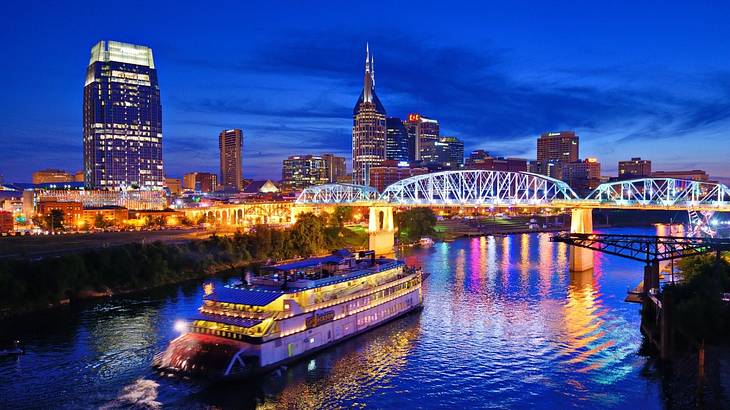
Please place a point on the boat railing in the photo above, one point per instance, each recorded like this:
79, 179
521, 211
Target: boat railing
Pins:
235, 313
369, 289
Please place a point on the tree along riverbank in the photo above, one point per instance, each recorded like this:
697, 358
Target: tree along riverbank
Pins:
698, 307
28, 285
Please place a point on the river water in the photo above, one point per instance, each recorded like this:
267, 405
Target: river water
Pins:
505, 325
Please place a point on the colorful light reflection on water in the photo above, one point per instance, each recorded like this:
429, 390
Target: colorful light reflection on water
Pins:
505, 325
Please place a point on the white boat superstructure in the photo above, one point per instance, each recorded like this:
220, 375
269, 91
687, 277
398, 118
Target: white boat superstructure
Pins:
294, 309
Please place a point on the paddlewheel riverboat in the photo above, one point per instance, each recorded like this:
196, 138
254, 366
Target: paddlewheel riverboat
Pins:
292, 310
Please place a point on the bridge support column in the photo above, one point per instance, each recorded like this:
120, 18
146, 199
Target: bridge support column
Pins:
581, 221
381, 230
651, 276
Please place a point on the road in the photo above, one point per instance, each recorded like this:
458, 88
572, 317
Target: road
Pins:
39, 246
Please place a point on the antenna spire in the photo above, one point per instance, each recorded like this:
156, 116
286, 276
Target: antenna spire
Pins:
367, 57
372, 68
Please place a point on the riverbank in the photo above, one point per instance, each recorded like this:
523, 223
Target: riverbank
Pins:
28, 285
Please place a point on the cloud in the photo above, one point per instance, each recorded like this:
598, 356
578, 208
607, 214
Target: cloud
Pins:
476, 96
293, 94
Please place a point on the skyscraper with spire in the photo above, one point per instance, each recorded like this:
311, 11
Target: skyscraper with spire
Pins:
368, 128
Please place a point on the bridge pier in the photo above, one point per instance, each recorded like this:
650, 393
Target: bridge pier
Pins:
651, 276
381, 230
581, 221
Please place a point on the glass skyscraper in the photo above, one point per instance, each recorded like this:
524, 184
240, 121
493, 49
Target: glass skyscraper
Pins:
368, 128
122, 118
399, 144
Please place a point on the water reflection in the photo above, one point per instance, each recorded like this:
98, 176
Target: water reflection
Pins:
504, 325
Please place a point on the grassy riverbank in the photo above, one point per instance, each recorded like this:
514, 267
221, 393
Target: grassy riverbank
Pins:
27, 285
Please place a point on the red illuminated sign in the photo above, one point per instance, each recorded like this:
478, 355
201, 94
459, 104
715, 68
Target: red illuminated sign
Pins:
414, 117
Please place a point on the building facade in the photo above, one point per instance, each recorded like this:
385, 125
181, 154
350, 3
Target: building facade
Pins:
7, 221
555, 149
449, 151
425, 133
693, 175
336, 167
301, 171
583, 176
49, 176
94, 198
230, 144
634, 168
174, 185
122, 118
400, 145
480, 159
113, 215
368, 128
72, 211
390, 172
205, 182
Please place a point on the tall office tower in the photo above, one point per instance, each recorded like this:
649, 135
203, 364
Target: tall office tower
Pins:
449, 151
399, 144
122, 118
555, 149
634, 168
368, 128
425, 133
336, 167
230, 144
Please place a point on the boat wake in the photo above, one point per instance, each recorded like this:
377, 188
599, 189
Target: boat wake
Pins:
142, 394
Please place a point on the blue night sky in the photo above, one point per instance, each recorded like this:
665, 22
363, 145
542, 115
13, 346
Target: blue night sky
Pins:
649, 79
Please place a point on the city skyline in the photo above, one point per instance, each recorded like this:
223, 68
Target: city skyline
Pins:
621, 100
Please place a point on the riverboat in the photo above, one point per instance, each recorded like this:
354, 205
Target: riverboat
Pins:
291, 311
426, 242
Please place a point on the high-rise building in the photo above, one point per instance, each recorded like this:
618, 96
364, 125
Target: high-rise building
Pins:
400, 145
301, 171
449, 151
47, 176
425, 133
583, 176
336, 167
368, 128
230, 144
122, 118
200, 181
555, 149
174, 185
634, 168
